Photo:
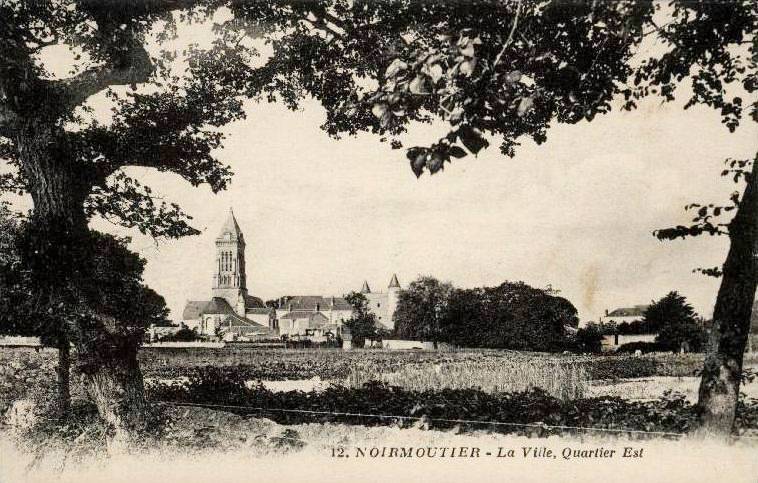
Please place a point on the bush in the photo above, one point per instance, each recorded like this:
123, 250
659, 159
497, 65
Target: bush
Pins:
645, 347
184, 334
443, 409
589, 339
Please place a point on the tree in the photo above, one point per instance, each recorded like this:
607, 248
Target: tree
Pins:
363, 324
421, 309
675, 322
116, 286
517, 316
503, 68
22, 315
511, 69
71, 165
671, 309
589, 338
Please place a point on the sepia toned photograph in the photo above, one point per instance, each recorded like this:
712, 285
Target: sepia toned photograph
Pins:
378, 240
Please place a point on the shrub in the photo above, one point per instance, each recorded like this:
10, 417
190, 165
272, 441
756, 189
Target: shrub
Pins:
644, 347
184, 334
446, 408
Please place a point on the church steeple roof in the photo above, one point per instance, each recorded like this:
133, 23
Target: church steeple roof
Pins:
365, 288
394, 283
231, 227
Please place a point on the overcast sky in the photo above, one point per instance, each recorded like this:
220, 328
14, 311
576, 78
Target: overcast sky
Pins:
320, 215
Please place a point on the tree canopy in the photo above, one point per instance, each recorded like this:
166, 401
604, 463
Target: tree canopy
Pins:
512, 315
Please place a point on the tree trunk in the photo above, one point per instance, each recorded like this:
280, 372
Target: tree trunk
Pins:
113, 381
719, 386
58, 250
64, 371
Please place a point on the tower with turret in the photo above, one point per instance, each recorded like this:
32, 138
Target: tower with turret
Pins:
393, 294
383, 304
229, 279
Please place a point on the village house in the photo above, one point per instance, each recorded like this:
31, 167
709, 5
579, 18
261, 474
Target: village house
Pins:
614, 318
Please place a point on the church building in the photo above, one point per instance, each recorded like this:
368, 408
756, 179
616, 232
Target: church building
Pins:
231, 310
383, 304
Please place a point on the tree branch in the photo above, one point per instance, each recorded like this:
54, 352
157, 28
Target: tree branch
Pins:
136, 68
510, 36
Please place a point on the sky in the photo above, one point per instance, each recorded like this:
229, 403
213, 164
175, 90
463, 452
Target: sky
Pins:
320, 215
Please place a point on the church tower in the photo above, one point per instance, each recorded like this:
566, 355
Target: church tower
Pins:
393, 294
229, 279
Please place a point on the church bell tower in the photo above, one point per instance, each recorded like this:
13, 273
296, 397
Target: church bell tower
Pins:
229, 279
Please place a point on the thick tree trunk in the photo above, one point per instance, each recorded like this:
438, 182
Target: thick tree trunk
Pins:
64, 377
58, 250
113, 381
719, 386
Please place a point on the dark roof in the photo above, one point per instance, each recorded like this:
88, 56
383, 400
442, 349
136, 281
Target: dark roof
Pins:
231, 227
196, 308
193, 309
249, 325
259, 310
365, 288
218, 305
309, 302
253, 302
394, 283
636, 311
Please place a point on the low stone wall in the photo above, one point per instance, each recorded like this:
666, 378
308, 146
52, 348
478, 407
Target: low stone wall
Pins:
187, 345
398, 344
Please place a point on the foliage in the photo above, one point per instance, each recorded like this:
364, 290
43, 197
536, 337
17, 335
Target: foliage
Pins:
688, 336
421, 309
676, 323
644, 347
671, 309
589, 339
185, 334
564, 379
511, 315
363, 324
442, 408
336, 365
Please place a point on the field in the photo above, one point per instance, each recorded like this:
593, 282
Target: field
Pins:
525, 394
563, 376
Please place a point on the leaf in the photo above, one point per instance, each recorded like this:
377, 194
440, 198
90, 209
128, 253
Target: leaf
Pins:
525, 105
379, 110
435, 72
457, 152
467, 67
472, 139
513, 76
417, 85
395, 67
417, 163
435, 163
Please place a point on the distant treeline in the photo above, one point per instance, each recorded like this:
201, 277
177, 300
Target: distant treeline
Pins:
512, 315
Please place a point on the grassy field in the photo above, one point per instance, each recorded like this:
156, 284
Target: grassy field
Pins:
30, 372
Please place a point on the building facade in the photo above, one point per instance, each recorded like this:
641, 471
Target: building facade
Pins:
383, 304
231, 312
316, 317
